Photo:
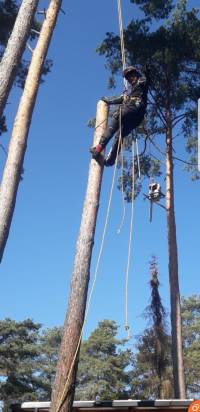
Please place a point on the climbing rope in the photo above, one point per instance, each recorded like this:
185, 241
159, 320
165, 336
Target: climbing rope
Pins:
65, 390
123, 55
127, 327
122, 173
122, 193
138, 158
121, 32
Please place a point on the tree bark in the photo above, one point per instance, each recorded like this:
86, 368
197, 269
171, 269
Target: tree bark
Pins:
64, 385
15, 48
18, 141
177, 350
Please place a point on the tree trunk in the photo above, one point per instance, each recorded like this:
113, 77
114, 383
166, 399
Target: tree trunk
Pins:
15, 48
18, 141
177, 351
64, 386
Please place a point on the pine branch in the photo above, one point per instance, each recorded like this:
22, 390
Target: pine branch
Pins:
157, 147
184, 161
3, 148
162, 117
180, 117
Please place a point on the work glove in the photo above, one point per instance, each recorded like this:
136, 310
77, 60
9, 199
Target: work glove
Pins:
105, 99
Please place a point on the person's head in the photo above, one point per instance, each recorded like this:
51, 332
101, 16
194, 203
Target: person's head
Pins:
131, 74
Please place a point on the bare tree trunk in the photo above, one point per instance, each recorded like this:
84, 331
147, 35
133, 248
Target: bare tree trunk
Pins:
15, 48
18, 141
177, 350
64, 386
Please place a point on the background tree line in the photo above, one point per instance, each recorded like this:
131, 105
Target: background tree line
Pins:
114, 368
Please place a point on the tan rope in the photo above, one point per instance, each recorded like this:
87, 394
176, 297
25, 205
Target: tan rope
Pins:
122, 193
122, 177
64, 393
119, 8
127, 327
138, 159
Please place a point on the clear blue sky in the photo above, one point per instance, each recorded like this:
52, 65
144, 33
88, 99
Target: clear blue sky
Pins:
37, 265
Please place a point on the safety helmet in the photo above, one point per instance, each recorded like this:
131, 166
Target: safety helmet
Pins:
129, 70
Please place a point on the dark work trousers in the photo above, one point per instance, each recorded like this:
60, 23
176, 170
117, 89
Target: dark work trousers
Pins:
131, 117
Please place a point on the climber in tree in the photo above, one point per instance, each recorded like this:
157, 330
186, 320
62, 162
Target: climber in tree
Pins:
132, 108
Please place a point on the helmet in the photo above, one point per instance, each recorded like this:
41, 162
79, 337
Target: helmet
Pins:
131, 69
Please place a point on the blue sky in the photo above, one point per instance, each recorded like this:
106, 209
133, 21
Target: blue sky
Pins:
37, 265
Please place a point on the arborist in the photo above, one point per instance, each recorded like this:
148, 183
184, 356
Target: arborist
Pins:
130, 113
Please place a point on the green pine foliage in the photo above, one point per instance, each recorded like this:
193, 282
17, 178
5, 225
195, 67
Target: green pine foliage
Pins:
3, 127
158, 9
8, 13
49, 344
191, 336
103, 365
145, 380
28, 357
171, 48
18, 355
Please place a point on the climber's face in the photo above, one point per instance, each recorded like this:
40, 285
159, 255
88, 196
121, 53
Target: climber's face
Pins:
132, 78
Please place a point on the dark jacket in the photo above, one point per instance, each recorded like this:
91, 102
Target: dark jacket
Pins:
137, 96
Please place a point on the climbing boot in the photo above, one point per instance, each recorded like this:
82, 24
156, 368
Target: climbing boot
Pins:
112, 155
109, 161
96, 151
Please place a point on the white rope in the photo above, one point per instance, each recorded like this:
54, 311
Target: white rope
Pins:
127, 327
122, 193
138, 159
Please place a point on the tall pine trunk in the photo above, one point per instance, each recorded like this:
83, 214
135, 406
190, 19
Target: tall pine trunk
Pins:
18, 141
177, 350
64, 385
15, 48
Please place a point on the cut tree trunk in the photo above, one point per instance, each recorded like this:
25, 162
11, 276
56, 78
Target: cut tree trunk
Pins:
177, 350
15, 48
18, 141
64, 385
